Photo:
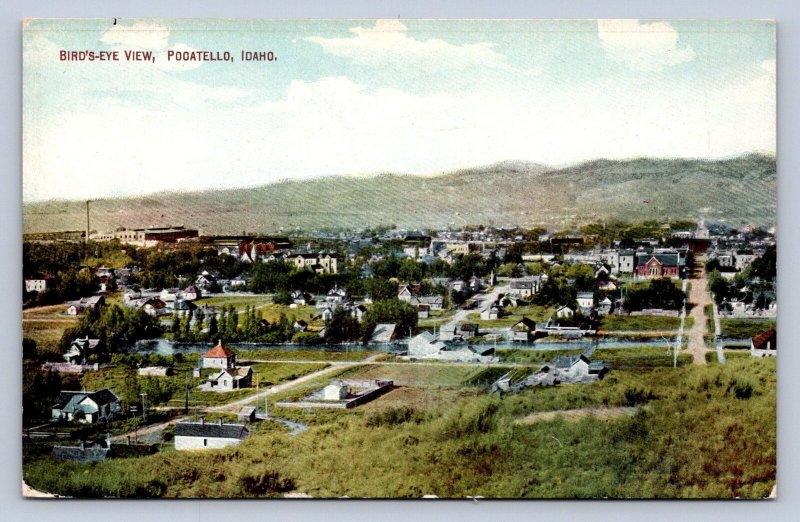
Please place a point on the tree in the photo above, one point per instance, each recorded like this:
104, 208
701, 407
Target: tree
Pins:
282, 297
213, 326
342, 327
392, 311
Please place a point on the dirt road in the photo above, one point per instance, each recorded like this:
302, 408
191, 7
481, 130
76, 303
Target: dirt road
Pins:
698, 295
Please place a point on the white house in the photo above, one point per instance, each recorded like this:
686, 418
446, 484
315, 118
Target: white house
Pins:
585, 300
229, 379
203, 435
85, 406
564, 312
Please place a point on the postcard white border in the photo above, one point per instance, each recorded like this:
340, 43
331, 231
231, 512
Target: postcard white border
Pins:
15, 508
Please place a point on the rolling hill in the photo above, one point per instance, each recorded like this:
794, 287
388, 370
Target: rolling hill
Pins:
738, 191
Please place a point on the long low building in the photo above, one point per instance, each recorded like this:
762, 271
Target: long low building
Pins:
208, 435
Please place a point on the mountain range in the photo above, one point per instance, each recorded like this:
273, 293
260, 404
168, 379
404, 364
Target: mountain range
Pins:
738, 191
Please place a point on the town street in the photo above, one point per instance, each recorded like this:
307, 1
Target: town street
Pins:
482, 302
698, 295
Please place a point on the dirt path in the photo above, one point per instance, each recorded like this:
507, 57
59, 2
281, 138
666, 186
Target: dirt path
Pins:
142, 432
698, 295
581, 413
235, 406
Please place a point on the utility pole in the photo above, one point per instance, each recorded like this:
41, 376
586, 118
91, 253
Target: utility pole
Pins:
144, 412
186, 403
87, 220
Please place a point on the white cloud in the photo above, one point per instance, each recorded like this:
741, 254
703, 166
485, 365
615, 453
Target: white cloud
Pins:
388, 43
143, 35
642, 46
338, 126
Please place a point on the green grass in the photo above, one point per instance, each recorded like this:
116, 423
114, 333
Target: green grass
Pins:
744, 328
417, 374
638, 357
643, 323
703, 432
304, 355
240, 302
709, 311
711, 357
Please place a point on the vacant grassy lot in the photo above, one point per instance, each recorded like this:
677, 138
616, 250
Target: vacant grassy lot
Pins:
47, 334
744, 328
643, 323
304, 355
417, 374
240, 302
699, 432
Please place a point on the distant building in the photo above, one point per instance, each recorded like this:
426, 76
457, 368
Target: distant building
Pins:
652, 266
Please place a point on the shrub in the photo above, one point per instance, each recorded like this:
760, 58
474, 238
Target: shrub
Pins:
265, 483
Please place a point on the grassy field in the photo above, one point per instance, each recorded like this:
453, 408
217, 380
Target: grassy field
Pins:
700, 432
643, 323
47, 334
711, 357
709, 311
639, 357
304, 355
417, 374
240, 302
744, 328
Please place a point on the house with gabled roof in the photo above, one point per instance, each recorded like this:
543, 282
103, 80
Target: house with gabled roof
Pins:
87, 407
229, 379
523, 330
80, 349
564, 312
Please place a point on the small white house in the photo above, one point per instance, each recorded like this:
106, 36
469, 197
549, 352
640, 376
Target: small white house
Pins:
564, 312
335, 391
202, 435
585, 300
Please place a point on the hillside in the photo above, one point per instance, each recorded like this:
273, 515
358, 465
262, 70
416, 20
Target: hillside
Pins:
739, 190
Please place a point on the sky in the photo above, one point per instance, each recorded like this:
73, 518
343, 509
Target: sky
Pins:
360, 97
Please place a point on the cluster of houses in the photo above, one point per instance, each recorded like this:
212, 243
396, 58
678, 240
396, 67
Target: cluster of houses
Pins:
564, 369
429, 346
163, 302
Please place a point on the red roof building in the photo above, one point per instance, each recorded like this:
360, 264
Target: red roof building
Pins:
219, 357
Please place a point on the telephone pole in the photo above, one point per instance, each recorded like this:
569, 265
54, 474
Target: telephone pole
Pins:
87, 220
